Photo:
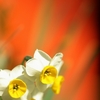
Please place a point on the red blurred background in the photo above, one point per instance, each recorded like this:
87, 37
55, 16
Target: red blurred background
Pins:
67, 26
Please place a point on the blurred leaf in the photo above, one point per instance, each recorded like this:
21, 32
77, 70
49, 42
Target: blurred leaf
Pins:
0, 98
48, 94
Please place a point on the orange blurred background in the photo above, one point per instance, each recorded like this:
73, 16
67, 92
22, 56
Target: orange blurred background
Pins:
67, 26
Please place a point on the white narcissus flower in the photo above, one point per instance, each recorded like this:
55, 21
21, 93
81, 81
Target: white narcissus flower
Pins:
19, 87
30, 83
44, 68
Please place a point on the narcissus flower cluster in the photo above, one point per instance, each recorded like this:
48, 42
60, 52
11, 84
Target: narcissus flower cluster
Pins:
29, 81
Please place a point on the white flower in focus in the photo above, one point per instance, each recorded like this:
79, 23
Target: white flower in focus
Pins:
44, 68
7, 75
14, 85
19, 89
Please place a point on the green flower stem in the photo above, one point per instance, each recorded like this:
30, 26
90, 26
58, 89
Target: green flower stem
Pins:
0, 98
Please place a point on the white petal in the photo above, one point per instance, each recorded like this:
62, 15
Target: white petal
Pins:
57, 61
33, 67
43, 57
26, 96
4, 80
6, 95
37, 95
16, 71
40, 86
4, 83
31, 78
2, 89
4, 73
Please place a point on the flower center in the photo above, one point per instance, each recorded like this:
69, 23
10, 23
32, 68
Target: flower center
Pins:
16, 88
48, 75
47, 72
